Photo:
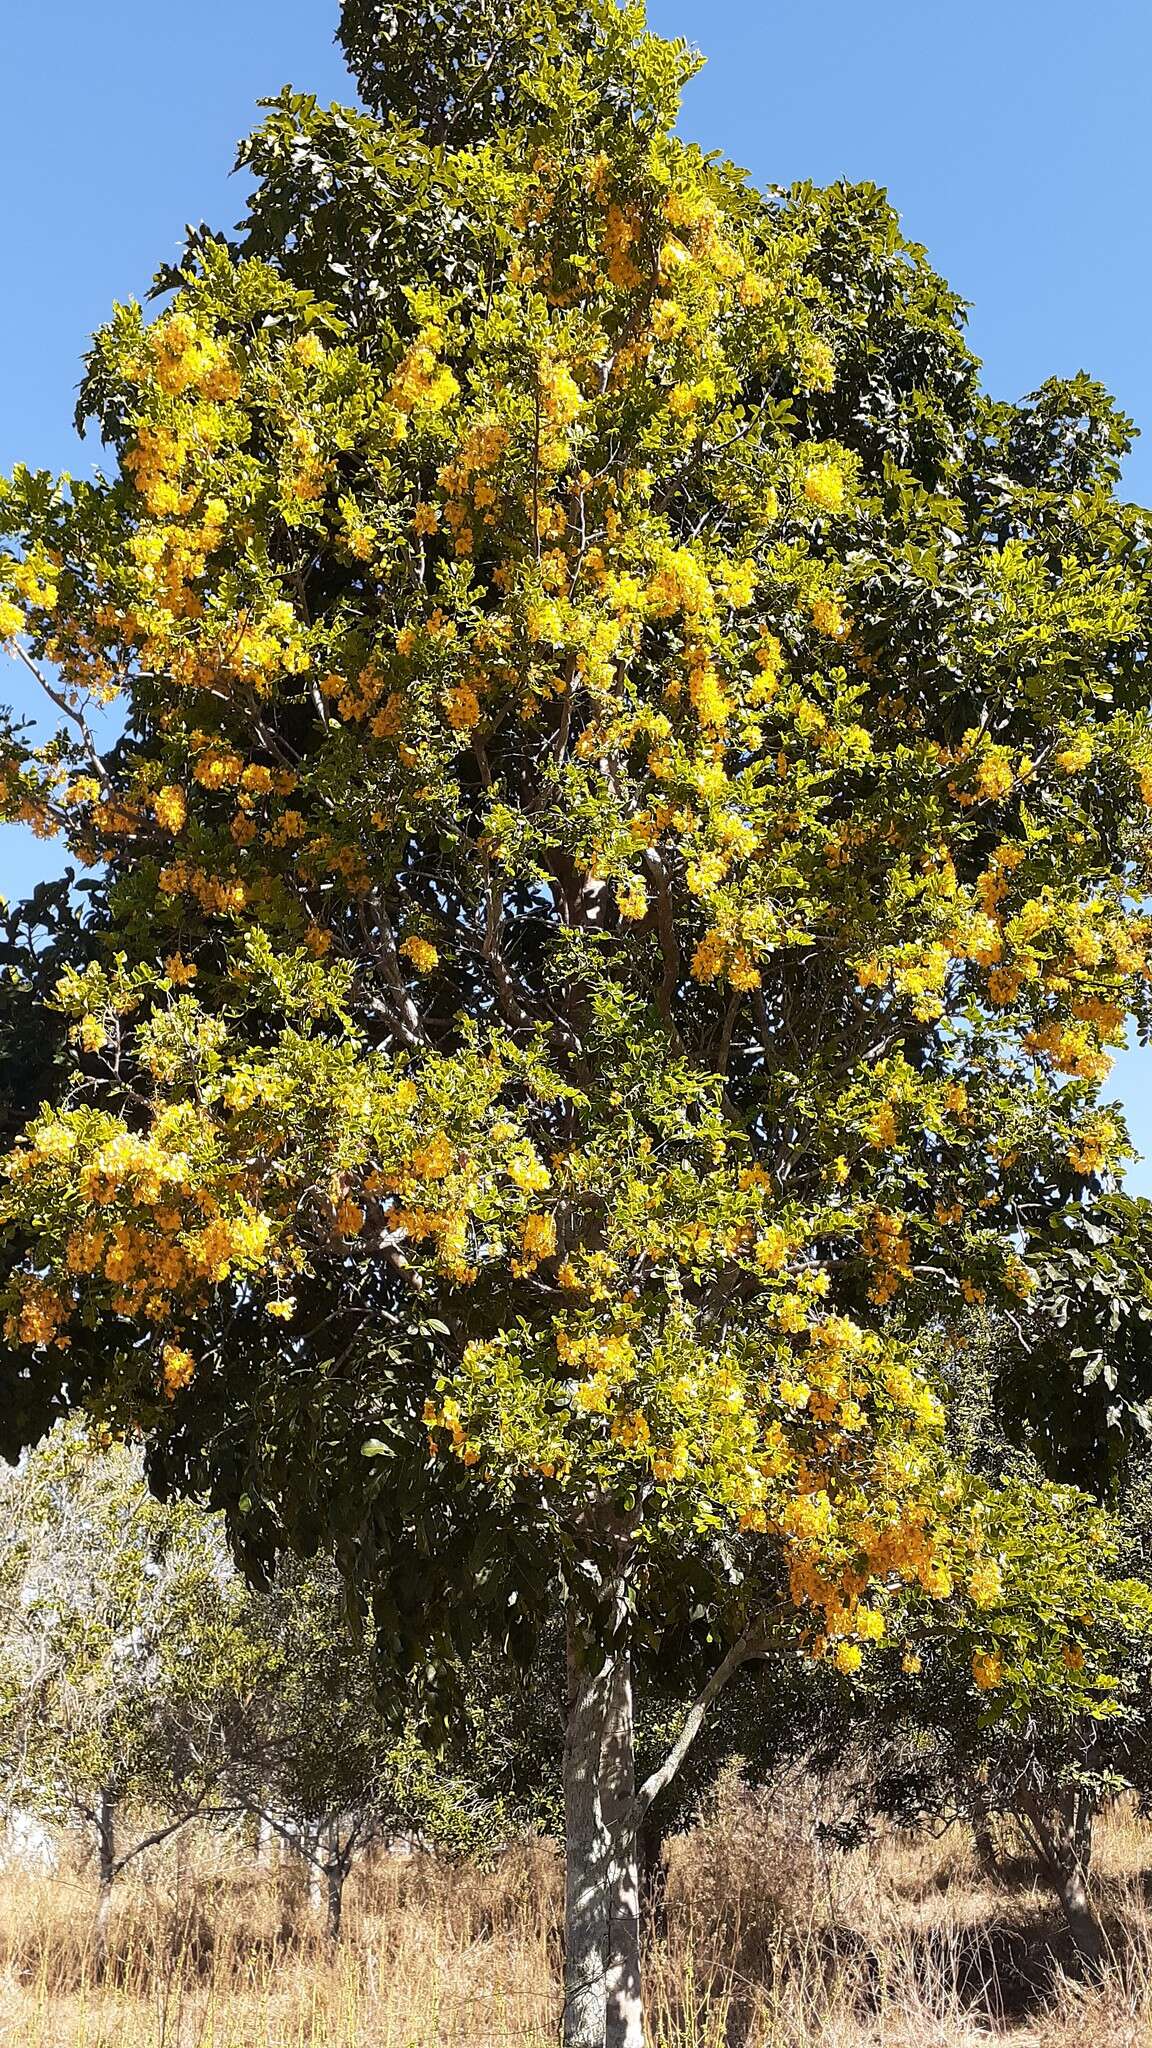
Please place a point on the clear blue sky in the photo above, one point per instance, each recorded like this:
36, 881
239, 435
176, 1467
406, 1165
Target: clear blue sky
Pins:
1013, 135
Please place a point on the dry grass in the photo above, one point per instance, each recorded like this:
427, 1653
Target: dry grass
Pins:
770, 1943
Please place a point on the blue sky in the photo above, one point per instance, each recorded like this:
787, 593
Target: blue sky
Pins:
1012, 135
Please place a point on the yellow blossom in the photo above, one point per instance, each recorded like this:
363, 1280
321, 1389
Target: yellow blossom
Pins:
349, 1218
462, 708
538, 1236
171, 808
709, 957
986, 1583
824, 486
177, 1369
1076, 755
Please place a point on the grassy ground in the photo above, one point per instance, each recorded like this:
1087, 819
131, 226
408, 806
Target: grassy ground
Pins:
769, 1944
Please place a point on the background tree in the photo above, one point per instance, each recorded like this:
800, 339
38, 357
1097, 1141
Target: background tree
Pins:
932, 1738
625, 860
1073, 1366
311, 1752
117, 1632
144, 1686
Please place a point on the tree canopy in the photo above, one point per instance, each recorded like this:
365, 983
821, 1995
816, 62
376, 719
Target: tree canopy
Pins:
626, 857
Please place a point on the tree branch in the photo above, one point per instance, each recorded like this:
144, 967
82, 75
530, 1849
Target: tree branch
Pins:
152, 1841
69, 711
666, 927
511, 1008
744, 1651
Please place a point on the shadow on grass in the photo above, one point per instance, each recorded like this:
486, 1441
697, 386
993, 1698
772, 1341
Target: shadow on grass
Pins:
997, 1976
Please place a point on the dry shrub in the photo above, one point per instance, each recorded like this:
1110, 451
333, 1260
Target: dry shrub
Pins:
775, 1939
755, 1864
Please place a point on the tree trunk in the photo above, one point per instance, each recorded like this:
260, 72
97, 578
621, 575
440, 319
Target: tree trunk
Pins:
625, 2020
603, 2000
984, 1842
585, 1849
1064, 1833
1076, 1903
335, 1874
106, 1866
603, 1812
311, 1855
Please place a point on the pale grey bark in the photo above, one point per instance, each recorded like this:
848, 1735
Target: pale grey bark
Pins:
742, 1652
337, 1864
625, 2015
1080, 1914
313, 1873
586, 1849
604, 1813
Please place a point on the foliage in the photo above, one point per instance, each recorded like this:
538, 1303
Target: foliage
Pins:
38, 938
1075, 1365
139, 1673
311, 1751
932, 1738
117, 1635
626, 862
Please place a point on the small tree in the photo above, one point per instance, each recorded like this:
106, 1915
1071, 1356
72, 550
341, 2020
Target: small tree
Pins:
309, 1750
940, 1737
141, 1680
116, 1621
626, 858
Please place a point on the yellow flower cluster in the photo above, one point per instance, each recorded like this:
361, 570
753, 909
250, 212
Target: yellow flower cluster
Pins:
177, 1369
185, 357
824, 486
422, 382
40, 1315
422, 953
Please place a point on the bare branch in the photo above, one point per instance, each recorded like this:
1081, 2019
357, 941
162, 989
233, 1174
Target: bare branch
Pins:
744, 1651
68, 710
197, 1812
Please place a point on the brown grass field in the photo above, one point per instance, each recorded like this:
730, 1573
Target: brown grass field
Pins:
770, 1942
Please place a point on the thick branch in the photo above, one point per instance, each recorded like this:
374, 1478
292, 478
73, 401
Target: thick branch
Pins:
744, 1651
666, 927
409, 1019
511, 1008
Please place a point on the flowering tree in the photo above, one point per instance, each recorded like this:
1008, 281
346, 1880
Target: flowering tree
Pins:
622, 868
